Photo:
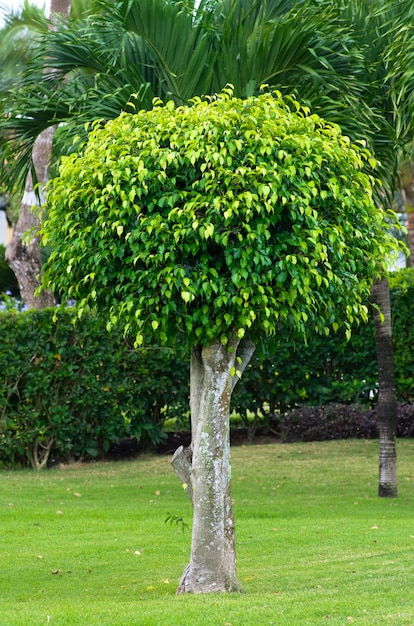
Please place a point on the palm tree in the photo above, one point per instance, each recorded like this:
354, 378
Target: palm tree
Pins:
18, 43
388, 88
23, 253
173, 49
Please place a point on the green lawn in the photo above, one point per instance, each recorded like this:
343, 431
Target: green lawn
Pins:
88, 544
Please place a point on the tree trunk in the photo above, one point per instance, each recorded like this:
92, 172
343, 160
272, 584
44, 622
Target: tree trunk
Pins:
23, 250
204, 467
387, 403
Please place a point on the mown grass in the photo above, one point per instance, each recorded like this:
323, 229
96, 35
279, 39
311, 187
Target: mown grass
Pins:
88, 544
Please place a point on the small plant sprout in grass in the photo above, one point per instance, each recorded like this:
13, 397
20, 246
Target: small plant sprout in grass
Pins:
178, 520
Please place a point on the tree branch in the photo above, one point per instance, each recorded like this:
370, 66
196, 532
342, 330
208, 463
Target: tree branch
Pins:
244, 354
181, 463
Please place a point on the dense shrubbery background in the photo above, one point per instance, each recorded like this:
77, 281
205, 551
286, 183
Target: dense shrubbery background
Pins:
71, 389
331, 371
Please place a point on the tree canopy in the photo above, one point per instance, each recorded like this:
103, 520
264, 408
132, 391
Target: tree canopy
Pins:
224, 216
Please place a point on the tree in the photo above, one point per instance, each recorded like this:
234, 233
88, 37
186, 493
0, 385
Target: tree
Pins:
387, 44
138, 48
20, 44
215, 223
23, 250
387, 403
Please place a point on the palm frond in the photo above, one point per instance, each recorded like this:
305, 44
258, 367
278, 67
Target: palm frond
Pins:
350, 60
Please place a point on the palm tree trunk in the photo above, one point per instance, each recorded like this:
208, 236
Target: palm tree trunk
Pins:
23, 250
387, 404
204, 468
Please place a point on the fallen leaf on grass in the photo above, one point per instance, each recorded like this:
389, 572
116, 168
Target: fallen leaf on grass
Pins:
59, 512
56, 572
247, 578
374, 527
78, 495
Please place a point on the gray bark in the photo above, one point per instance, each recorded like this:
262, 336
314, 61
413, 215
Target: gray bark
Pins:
23, 250
387, 403
205, 467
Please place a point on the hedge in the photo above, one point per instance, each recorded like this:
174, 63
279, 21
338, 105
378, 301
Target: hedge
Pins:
70, 389
340, 421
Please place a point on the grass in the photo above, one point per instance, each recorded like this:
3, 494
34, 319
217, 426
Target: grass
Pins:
88, 544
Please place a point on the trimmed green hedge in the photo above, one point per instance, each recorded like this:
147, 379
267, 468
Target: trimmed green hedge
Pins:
70, 389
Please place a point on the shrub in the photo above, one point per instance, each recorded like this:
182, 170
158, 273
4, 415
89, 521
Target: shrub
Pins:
307, 423
71, 389
402, 298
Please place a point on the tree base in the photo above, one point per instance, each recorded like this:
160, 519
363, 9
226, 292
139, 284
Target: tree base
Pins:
188, 586
387, 491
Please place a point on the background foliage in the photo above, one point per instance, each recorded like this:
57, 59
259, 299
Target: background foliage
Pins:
75, 388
